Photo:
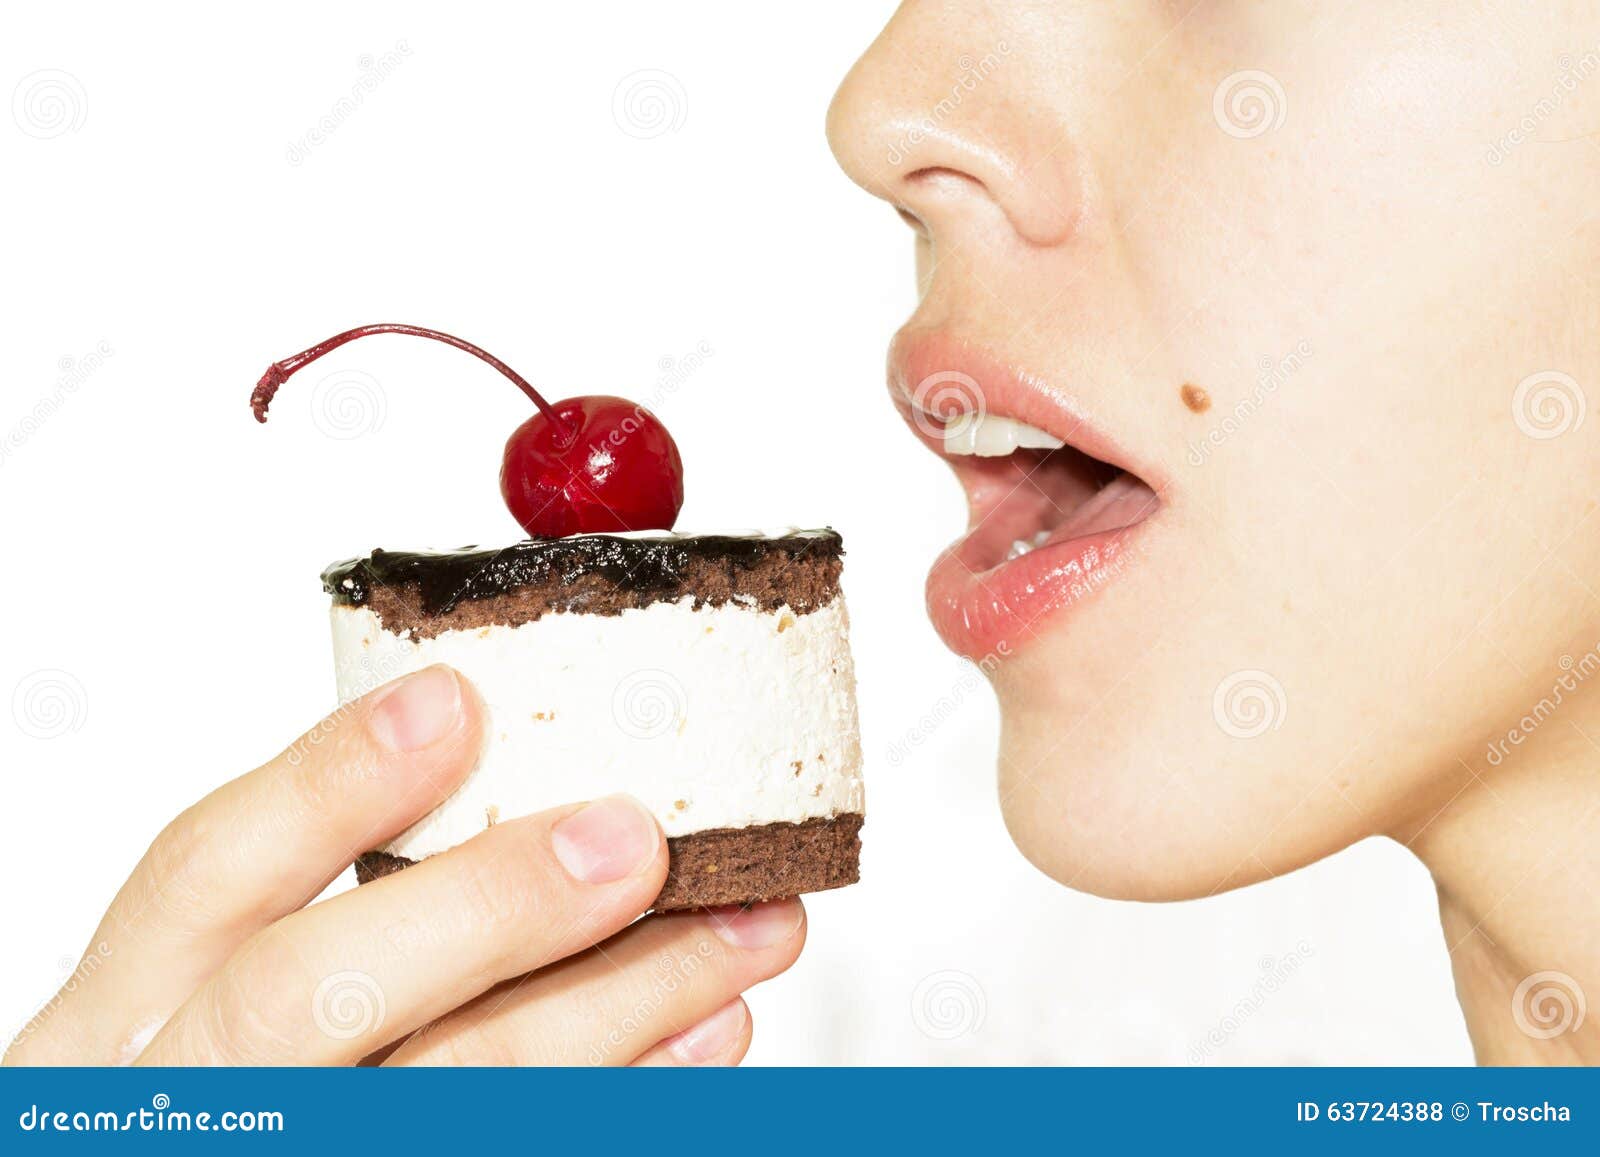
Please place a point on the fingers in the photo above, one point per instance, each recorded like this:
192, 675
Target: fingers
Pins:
722, 1038
335, 982
262, 846
617, 1002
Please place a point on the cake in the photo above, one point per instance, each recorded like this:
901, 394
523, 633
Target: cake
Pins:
708, 675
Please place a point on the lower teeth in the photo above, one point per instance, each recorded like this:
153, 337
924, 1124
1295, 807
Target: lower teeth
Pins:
1022, 546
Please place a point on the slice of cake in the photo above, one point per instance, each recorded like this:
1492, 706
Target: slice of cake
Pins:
708, 675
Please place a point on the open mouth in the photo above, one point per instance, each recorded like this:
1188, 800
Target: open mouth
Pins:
1026, 493
1051, 503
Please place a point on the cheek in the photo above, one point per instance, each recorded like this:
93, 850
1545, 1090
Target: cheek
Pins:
1374, 213
1361, 290
1300, 687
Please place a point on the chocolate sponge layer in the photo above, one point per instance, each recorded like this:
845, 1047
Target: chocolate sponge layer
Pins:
732, 865
429, 592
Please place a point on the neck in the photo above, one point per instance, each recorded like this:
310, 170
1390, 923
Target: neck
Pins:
1516, 858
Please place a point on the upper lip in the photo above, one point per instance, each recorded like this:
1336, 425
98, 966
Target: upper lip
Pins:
923, 360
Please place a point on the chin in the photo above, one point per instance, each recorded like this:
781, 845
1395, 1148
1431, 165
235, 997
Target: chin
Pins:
1108, 817
1088, 842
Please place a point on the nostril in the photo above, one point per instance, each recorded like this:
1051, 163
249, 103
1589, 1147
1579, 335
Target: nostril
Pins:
941, 197
1042, 203
912, 220
898, 133
942, 180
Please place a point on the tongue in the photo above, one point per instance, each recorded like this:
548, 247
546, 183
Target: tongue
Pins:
1123, 501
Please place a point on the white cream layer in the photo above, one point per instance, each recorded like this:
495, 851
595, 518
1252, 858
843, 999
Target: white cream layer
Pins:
714, 717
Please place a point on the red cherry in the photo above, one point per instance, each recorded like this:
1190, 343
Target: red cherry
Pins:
588, 465
621, 472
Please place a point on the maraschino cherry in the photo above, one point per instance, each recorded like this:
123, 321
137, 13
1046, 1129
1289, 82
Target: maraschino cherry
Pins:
586, 465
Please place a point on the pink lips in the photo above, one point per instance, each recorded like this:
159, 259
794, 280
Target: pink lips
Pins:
1047, 530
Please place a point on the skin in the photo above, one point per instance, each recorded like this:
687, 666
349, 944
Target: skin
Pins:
521, 946
1381, 533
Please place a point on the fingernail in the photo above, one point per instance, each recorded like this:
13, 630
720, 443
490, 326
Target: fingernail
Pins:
759, 927
417, 711
711, 1037
607, 840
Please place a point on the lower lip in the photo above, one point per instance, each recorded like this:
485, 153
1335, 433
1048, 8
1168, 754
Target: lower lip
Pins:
988, 612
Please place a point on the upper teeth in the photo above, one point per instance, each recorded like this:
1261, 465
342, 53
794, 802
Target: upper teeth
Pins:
991, 436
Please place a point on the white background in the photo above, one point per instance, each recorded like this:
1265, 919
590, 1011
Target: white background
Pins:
162, 550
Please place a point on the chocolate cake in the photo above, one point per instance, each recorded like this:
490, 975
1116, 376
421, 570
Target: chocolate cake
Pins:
708, 675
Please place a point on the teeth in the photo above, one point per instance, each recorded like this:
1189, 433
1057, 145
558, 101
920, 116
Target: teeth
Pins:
960, 436
1022, 546
991, 436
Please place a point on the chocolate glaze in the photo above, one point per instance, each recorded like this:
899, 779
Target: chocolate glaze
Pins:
654, 565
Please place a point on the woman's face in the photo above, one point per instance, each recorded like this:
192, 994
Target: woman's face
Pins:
1309, 292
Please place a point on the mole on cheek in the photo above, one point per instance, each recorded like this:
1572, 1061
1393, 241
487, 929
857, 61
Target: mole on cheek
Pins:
1195, 398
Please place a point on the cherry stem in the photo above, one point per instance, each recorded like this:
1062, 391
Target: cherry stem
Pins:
280, 372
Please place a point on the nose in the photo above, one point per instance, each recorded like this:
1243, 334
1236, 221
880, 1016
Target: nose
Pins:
948, 136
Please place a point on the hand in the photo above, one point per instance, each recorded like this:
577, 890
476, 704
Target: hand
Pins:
518, 947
